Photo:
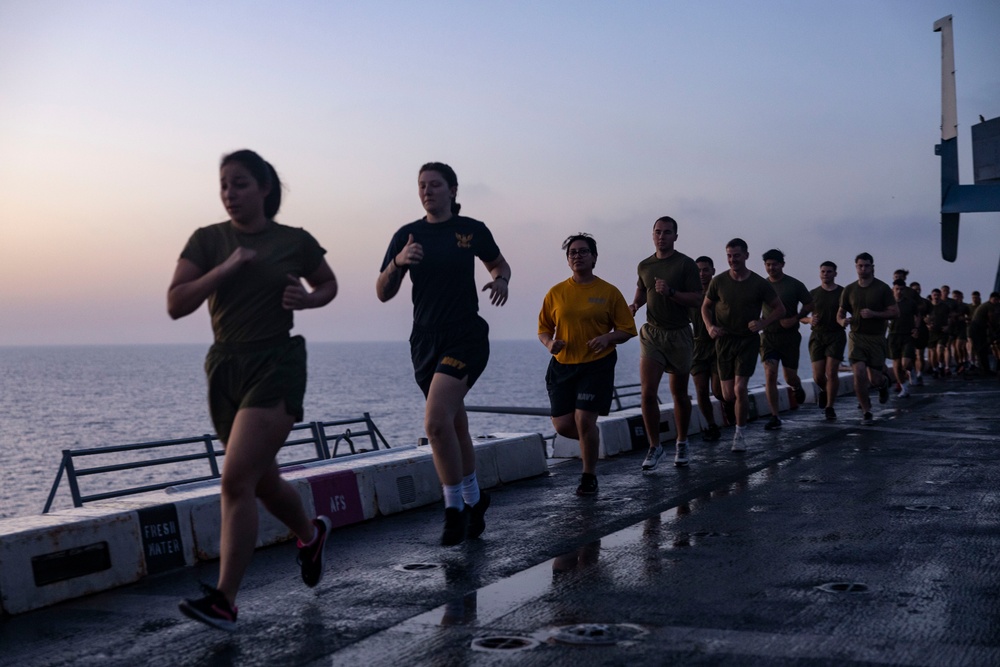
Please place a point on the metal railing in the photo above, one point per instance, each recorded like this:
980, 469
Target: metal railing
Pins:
204, 449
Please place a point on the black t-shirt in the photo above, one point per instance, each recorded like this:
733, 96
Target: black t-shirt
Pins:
444, 283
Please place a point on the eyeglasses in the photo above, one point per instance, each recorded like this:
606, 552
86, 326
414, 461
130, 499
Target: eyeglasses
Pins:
579, 252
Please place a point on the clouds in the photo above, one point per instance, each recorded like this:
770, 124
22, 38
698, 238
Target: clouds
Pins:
806, 126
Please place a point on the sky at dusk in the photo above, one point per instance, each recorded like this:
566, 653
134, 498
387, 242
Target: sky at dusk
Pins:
806, 126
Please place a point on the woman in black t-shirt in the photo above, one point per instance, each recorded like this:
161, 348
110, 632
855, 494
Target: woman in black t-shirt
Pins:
449, 344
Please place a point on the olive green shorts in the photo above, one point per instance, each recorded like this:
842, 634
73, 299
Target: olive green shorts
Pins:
255, 375
671, 348
823, 344
901, 346
737, 355
782, 346
704, 359
869, 349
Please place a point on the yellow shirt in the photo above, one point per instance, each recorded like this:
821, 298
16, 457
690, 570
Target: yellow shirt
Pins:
577, 313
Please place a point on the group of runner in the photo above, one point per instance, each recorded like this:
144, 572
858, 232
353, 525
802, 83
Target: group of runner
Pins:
714, 328
250, 269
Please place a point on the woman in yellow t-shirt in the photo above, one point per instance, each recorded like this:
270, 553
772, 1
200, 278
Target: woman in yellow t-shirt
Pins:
582, 319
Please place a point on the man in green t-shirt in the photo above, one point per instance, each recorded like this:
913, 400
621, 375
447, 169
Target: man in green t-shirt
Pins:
781, 341
866, 306
903, 330
827, 339
668, 286
732, 314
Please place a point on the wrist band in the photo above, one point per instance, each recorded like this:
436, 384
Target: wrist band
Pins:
394, 262
503, 278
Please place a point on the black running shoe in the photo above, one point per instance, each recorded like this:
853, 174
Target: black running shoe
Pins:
311, 555
883, 391
866, 419
800, 395
456, 524
477, 515
831, 414
821, 398
213, 609
773, 424
588, 485
711, 434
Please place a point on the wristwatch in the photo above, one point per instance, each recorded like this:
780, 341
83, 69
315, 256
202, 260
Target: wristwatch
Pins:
671, 292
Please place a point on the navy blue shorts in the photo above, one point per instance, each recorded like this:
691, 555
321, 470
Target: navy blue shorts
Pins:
589, 386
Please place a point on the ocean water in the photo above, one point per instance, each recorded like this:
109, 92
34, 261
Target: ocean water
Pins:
73, 397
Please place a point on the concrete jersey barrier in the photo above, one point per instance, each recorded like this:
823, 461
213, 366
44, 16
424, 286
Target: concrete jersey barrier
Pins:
71, 553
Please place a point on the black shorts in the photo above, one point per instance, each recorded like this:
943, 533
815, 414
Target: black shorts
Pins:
255, 375
460, 351
589, 386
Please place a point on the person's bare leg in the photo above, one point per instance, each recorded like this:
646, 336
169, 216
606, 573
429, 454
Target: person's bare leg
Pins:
590, 439
832, 380
444, 403
771, 385
682, 404
650, 373
256, 437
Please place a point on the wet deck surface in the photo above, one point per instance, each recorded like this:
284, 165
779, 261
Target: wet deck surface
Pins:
720, 563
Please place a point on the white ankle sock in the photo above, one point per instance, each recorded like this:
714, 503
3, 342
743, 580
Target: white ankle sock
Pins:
452, 495
470, 489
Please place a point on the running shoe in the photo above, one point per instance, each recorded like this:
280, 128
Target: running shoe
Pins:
904, 392
773, 424
477, 515
739, 442
681, 457
456, 524
311, 555
213, 609
711, 434
588, 484
831, 414
800, 395
652, 458
821, 397
883, 391
866, 419
920, 380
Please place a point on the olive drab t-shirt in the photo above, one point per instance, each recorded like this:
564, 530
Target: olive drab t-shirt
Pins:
877, 296
444, 282
825, 307
940, 314
792, 292
680, 272
247, 306
906, 322
739, 302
